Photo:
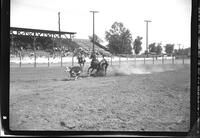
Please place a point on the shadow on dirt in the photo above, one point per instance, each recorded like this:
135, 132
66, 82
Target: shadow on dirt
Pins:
65, 79
68, 79
71, 79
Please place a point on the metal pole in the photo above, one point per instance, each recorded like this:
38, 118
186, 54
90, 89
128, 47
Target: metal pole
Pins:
60, 36
59, 23
147, 21
147, 48
93, 30
93, 33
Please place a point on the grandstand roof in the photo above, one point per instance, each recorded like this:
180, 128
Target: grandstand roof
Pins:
39, 30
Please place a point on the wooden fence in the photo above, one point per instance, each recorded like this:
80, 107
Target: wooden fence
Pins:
48, 61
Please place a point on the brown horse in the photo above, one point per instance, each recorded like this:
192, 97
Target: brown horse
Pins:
94, 65
99, 66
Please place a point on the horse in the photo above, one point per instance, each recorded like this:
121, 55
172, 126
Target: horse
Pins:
94, 65
99, 66
81, 61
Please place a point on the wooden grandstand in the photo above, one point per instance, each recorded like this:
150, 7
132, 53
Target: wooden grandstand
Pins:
86, 45
26, 37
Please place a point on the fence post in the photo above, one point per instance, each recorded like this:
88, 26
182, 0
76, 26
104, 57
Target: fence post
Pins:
111, 60
48, 60
61, 58
183, 59
135, 59
162, 59
144, 58
72, 60
172, 59
153, 59
35, 59
119, 60
20, 60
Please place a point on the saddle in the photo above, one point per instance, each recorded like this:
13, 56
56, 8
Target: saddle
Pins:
95, 61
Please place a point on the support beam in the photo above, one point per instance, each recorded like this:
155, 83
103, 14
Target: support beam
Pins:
38, 32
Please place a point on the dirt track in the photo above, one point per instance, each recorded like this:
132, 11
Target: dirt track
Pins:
45, 99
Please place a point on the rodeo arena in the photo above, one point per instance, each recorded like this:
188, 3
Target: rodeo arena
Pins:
58, 82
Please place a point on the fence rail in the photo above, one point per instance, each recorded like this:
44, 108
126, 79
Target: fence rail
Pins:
48, 61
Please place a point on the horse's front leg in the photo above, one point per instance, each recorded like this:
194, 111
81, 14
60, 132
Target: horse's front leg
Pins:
88, 70
92, 70
106, 69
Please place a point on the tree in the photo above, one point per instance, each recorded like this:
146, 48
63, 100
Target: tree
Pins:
186, 51
169, 48
158, 49
96, 39
137, 45
152, 47
119, 39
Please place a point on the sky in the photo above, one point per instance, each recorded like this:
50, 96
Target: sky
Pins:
170, 19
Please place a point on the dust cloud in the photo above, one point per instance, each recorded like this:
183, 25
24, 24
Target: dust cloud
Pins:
126, 69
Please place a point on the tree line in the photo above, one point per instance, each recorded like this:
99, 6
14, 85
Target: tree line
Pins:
120, 41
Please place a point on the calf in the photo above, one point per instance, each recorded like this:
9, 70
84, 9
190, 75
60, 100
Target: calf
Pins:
74, 71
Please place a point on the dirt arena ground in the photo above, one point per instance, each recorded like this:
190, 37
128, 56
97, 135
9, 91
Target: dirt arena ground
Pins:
141, 98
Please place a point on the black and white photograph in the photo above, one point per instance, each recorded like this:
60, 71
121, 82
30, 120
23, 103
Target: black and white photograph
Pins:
100, 65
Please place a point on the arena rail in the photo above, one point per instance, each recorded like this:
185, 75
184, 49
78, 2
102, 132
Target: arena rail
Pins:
48, 60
